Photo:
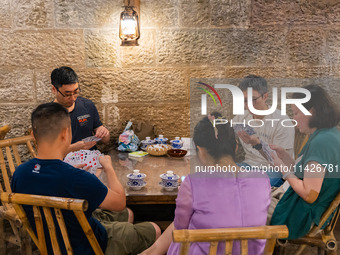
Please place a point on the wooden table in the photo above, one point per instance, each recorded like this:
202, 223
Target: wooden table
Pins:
153, 167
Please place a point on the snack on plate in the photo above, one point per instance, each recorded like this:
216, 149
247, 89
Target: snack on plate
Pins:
158, 149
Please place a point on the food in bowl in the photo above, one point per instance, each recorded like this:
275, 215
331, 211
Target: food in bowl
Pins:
177, 153
158, 149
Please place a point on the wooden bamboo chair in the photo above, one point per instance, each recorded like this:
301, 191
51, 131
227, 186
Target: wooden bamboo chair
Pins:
9, 160
49, 205
228, 235
3, 131
323, 239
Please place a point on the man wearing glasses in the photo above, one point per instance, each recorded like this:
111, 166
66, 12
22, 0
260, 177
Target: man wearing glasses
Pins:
85, 120
271, 132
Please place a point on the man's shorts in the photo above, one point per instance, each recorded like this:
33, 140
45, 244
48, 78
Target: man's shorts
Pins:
124, 237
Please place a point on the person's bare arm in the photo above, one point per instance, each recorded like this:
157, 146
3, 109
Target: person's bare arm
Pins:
115, 199
252, 140
308, 188
103, 133
283, 155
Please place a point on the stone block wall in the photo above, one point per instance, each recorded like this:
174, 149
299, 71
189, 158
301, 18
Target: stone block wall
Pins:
180, 40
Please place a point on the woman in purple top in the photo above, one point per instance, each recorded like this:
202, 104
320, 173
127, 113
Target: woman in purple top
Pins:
225, 198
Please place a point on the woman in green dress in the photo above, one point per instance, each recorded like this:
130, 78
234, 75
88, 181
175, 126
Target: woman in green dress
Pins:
314, 178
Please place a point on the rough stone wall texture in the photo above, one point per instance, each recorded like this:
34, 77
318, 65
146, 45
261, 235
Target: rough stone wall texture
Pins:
180, 40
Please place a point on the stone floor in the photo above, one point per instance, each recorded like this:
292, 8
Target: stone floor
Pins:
11, 250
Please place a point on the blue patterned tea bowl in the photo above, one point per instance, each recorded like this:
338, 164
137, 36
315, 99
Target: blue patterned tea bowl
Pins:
161, 140
177, 143
133, 185
136, 180
145, 143
169, 180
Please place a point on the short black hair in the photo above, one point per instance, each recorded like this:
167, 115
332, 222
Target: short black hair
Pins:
216, 114
326, 113
63, 76
48, 120
224, 145
258, 83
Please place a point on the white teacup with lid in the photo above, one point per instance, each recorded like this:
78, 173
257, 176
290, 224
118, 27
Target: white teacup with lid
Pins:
136, 180
177, 143
169, 180
161, 140
146, 142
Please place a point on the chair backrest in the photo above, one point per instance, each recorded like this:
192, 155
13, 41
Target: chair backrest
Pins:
324, 239
228, 235
3, 131
10, 157
333, 208
47, 204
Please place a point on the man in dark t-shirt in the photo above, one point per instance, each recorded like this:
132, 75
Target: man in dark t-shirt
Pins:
34, 177
85, 119
48, 175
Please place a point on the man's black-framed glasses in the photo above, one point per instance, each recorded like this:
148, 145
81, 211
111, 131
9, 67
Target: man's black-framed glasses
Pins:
254, 99
76, 93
